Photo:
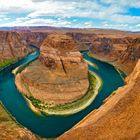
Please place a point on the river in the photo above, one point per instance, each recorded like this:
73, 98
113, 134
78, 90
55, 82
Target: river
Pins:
52, 126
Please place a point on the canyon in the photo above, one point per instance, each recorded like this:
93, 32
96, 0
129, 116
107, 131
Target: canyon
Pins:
59, 76
118, 117
119, 48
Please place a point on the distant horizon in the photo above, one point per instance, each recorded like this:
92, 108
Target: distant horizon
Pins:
107, 14
68, 28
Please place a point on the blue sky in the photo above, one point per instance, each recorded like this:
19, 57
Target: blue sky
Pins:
116, 14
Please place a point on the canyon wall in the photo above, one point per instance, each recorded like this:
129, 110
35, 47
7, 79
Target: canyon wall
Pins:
116, 119
34, 38
15, 44
12, 45
120, 49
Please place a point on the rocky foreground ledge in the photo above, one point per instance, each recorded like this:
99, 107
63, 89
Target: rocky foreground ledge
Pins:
58, 77
117, 119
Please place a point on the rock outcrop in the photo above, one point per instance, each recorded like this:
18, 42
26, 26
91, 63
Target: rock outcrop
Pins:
59, 76
116, 119
122, 49
121, 52
12, 45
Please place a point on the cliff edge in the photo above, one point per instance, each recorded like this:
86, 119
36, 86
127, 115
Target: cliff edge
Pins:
117, 118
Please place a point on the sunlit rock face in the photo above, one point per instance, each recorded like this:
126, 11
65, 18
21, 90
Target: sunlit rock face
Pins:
59, 53
121, 49
117, 118
12, 45
122, 52
59, 75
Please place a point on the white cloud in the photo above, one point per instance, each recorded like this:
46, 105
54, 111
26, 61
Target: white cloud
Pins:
16, 6
138, 25
39, 22
88, 25
115, 25
123, 3
36, 12
126, 27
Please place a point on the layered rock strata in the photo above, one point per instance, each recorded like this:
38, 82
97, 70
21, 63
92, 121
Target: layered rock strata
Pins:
59, 75
12, 45
122, 49
117, 118
117, 47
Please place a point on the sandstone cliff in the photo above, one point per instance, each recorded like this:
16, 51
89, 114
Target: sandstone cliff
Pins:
117, 47
116, 119
122, 52
121, 49
34, 38
12, 45
59, 76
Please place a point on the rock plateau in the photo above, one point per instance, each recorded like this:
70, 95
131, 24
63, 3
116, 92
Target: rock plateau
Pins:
59, 75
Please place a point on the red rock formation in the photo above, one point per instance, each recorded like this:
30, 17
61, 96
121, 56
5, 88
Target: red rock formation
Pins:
122, 52
119, 48
34, 38
116, 119
15, 44
60, 76
12, 45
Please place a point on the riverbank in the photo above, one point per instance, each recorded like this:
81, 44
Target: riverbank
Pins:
74, 107
11, 129
121, 73
64, 109
6, 62
92, 64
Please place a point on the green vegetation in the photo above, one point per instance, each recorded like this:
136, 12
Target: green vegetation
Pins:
37, 103
68, 108
6, 62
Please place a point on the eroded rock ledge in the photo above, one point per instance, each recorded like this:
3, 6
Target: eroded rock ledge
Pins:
117, 118
59, 75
